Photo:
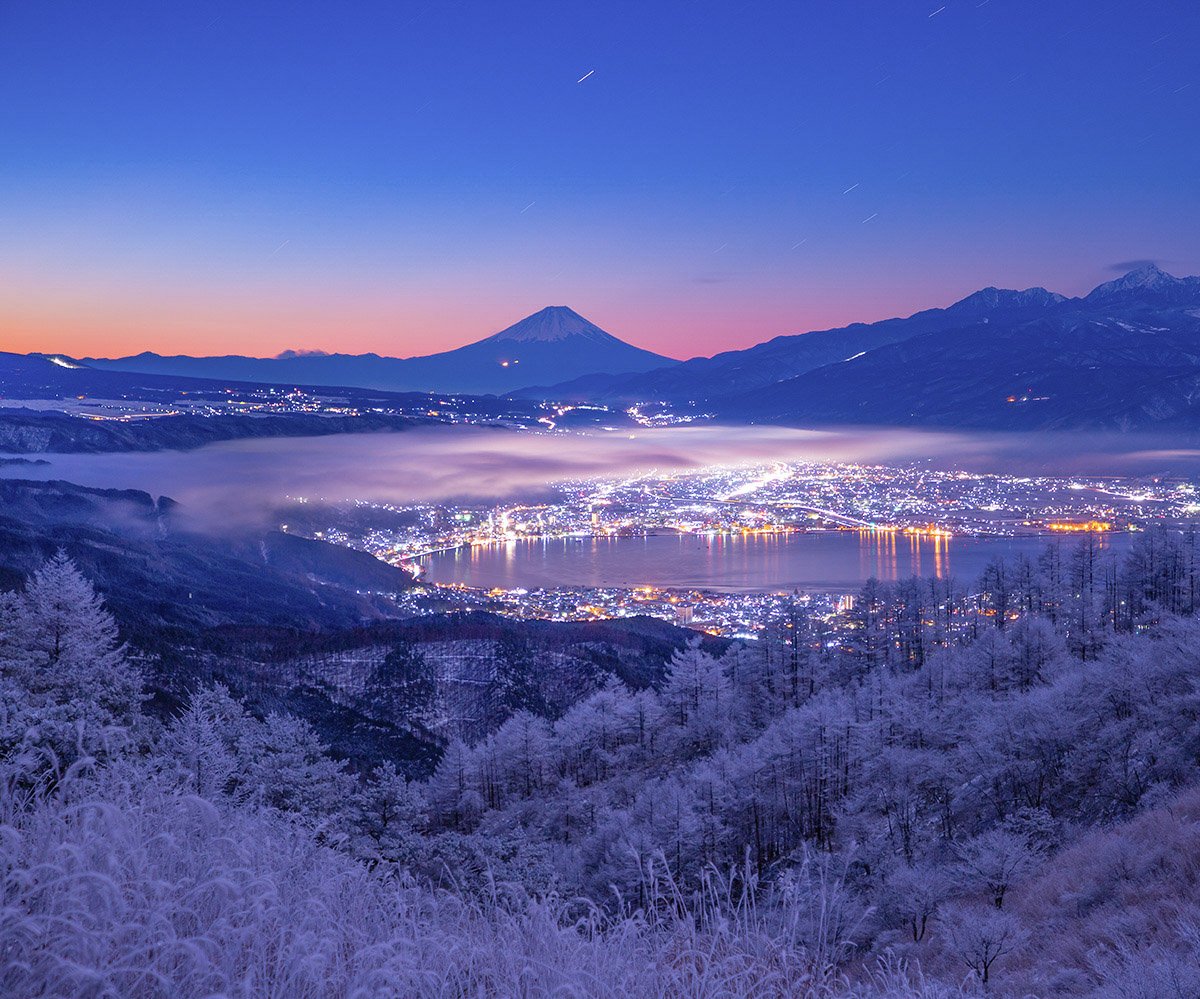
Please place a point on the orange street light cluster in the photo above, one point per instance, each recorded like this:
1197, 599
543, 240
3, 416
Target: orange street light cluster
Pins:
1090, 526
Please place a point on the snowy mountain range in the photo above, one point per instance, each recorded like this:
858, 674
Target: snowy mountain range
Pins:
1124, 357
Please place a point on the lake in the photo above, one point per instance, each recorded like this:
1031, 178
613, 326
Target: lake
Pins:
819, 560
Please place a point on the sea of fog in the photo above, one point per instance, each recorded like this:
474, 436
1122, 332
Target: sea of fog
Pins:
242, 483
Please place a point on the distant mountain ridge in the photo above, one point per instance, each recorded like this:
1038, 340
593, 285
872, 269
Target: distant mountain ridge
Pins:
550, 345
1126, 356
702, 378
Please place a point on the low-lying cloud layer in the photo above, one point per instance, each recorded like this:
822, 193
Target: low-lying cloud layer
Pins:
239, 484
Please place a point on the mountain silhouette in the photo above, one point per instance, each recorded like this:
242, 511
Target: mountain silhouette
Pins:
550, 345
1124, 357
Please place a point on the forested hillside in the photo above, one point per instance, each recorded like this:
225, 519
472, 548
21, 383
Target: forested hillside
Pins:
991, 787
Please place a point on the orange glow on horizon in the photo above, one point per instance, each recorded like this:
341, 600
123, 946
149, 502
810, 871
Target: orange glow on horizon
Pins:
86, 324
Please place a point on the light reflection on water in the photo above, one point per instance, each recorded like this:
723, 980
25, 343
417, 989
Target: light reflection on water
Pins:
825, 560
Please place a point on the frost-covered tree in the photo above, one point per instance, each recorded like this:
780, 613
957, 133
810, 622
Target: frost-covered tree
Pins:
1036, 652
217, 747
516, 761
910, 898
453, 788
199, 748
666, 820
594, 734
992, 862
697, 703
71, 687
286, 767
982, 936
387, 811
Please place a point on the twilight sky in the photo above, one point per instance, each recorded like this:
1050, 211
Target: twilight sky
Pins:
245, 177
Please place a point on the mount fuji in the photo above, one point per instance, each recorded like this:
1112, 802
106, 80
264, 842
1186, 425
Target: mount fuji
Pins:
551, 345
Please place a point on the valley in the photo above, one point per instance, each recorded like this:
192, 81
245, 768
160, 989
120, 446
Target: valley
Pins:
599, 501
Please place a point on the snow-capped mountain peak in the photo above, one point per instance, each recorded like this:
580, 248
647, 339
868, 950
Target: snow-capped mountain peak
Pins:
990, 299
1148, 282
549, 325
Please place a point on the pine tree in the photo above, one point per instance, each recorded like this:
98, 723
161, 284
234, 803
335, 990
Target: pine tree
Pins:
387, 810
75, 691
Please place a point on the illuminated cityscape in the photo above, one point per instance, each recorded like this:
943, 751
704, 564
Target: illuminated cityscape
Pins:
925, 505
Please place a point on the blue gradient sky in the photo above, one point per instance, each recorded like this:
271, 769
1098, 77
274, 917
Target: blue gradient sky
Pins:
247, 177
